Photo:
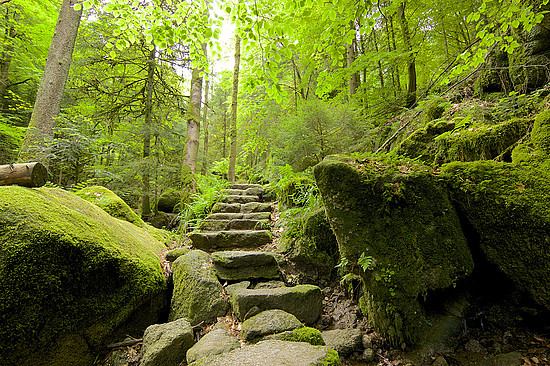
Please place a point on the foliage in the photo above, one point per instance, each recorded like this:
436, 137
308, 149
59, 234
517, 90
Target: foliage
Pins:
209, 191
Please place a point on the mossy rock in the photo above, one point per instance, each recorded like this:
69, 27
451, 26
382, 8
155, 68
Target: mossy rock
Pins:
72, 278
315, 246
540, 136
508, 206
439, 143
110, 203
169, 200
397, 217
292, 191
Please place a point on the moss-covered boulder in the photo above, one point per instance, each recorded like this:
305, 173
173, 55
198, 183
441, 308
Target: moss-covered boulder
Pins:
198, 295
72, 278
396, 227
508, 206
110, 203
304, 334
268, 322
169, 200
445, 141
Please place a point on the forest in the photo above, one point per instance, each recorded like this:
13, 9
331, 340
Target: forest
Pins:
430, 114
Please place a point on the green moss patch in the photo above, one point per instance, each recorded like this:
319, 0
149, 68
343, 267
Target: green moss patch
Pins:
110, 203
69, 274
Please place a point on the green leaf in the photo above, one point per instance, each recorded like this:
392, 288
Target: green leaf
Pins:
87, 5
109, 8
112, 54
77, 7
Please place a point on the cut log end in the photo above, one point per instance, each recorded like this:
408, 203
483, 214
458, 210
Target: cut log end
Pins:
25, 174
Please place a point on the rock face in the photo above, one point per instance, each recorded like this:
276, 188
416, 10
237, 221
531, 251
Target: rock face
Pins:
397, 226
217, 342
70, 277
110, 203
197, 292
507, 206
241, 265
168, 200
268, 322
275, 353
167, 344
290, 299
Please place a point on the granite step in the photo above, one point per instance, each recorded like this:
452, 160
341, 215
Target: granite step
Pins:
239, 199
236, 224
230, 240
242, 207
245, 265
239, 215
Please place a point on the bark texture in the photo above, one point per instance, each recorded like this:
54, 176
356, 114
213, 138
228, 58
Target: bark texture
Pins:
233, 132
50, 91
26, 174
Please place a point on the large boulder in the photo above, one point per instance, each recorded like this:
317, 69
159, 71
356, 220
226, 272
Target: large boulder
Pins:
169, 200
72, 278
396, 227
198, 295
507, 205
110, 203
289, 299
167, 344
275, 353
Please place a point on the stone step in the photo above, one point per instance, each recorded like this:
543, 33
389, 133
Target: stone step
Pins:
245, 186
274, 353
245, 265
238, 215
303, 301
239, 199
228, 240
236, 224
242, 207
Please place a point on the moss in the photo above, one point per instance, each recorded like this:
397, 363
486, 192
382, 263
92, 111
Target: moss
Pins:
436, 143
292, 191
332, 358
398, 214
507, 205
68, 271
304, 334
540, 136
434, 109
110, 203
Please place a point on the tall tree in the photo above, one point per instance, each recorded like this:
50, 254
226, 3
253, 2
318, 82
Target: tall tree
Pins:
411, 64
205, 122
145, 197
52, 85
5, 61
233, 132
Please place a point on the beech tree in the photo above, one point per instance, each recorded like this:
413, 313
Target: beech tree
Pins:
52, 85
234, 100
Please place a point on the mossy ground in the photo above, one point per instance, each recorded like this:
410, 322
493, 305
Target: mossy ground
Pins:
67, 267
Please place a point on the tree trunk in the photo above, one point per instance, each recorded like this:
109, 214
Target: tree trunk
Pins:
380, 72
205, 123
233, 132
353, 81
7, 55
27, 174
193, 123
146, 185
411, 66
50, 91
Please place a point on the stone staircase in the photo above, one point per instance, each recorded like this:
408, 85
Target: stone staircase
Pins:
239, 221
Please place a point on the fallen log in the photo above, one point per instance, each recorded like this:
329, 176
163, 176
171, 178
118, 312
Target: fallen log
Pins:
25, 174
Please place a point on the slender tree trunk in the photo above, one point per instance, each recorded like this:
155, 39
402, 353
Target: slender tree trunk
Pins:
353, 81
411, 66
193, 123
205, 123
224, 149
7, 55
146, 185
380, 72
233, 132
50, 91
